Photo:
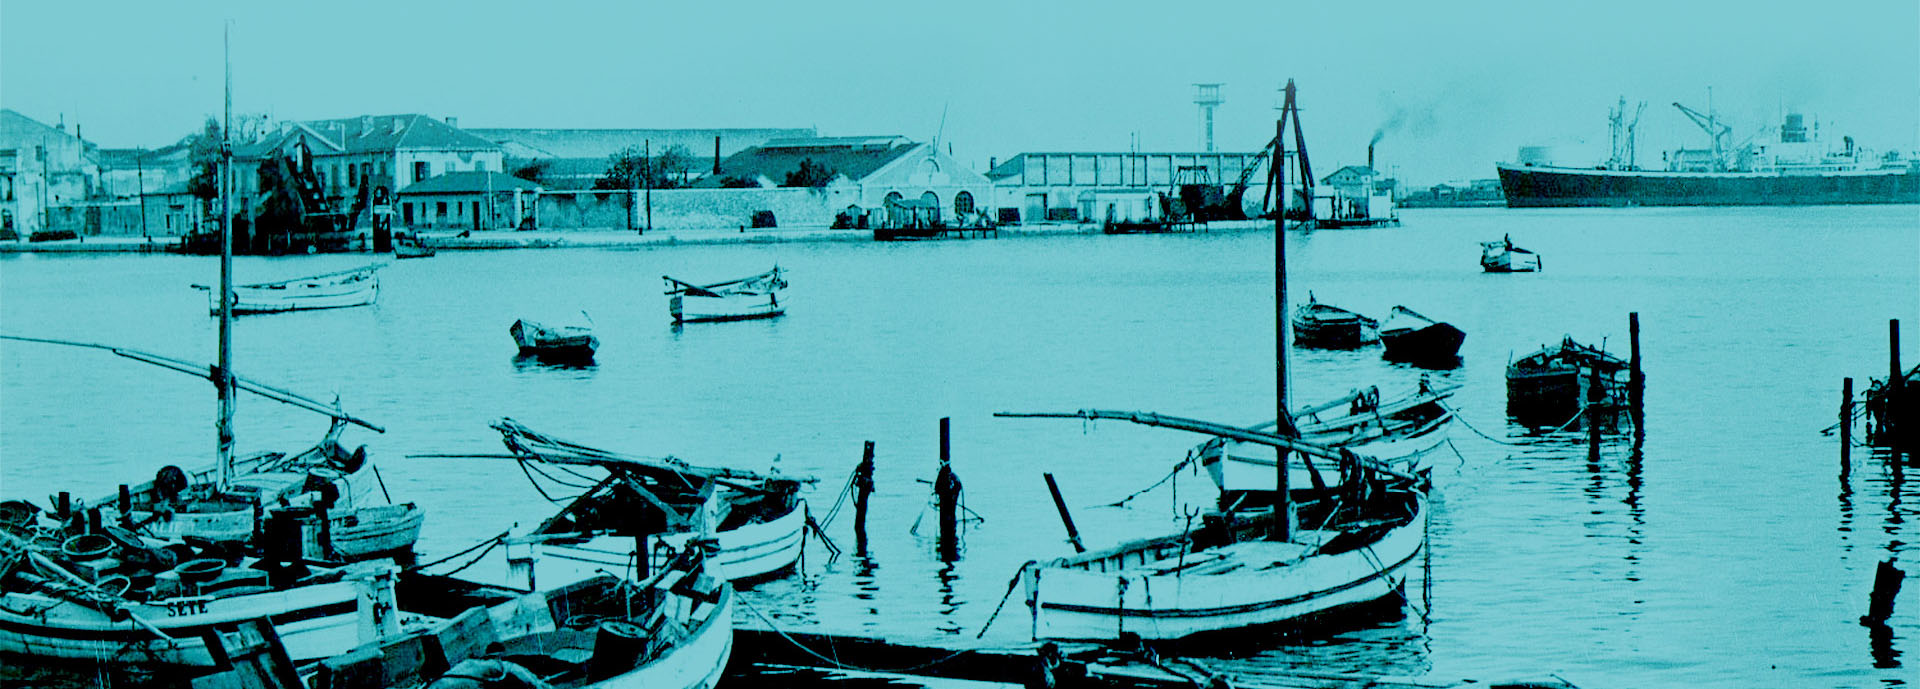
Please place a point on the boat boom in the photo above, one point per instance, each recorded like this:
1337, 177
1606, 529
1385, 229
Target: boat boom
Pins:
1223, 431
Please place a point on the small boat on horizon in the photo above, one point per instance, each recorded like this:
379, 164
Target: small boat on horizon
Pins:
341, 289
1409, 337
1503, 257
1325, 326
743, 299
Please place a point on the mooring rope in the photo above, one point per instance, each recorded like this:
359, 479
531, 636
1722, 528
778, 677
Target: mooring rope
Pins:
1476, 431
488, 544
1011, 583
1122, 502
835, 662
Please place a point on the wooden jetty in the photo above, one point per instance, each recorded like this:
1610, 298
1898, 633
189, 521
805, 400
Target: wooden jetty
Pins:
1044, 664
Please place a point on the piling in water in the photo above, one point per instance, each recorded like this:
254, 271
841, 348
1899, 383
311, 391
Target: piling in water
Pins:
1636, 381
1059, 503
862, 490
1596, 406
1886, 586
1846, 427
946, 488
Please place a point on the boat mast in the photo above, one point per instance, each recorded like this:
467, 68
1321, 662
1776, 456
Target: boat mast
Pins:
223, 378
1283, 508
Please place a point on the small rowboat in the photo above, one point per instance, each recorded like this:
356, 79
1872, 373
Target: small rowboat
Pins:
1548, 388
1331, 327
744, 299
1412, 338
556, 342
1503, 257
347, 288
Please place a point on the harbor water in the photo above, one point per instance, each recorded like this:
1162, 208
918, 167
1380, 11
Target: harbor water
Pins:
1728, 552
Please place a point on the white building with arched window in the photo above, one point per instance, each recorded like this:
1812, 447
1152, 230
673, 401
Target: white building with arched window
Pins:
864, 171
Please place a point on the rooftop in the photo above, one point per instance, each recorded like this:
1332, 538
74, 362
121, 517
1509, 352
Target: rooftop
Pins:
854, 157
469, 183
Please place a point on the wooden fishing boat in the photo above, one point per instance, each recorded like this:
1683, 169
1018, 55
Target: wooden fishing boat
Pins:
568, 605
743, 299
346, 288
1247, 565
1550, 387
557, 342
1503, 257
1401, 432
1354, 545
161, 588
1327, 326
76, 600
410, 247
1412, 338
760, 519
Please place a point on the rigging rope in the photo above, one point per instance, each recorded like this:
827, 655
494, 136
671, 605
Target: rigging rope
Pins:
1011, 583
489, 543
835, 662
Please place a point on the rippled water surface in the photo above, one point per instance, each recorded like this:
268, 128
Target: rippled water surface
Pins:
1730, 552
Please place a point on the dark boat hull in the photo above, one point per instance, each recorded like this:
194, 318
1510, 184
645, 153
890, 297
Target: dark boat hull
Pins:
1532, 187
1553, 398
1321, 335
1434, 345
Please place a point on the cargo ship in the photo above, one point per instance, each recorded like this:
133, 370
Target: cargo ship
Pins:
1792, 168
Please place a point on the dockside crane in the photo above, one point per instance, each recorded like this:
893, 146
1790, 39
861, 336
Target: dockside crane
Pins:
1716, 130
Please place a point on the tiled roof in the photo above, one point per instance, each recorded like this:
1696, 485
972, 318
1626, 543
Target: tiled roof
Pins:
854, 157
1359, 170
370, 133
1012, 168
468, 183
601, 143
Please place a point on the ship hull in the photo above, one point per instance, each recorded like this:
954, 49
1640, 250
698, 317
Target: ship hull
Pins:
1534, 187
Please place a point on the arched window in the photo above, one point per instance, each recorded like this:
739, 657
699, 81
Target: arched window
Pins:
894, 197
962, 203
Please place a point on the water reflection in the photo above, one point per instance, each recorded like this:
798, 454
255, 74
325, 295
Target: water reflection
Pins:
556, 362
950, 602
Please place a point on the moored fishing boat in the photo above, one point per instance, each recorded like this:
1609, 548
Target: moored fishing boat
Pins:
1503, 257
760, 519
346, 288
1327, 326
410, 247
555, 342
742, 299
1550, 387
1407, 336
1401, 432
1241, 567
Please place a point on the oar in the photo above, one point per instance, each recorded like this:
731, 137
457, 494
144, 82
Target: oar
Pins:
42, 561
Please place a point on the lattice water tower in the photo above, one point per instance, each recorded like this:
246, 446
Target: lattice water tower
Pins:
1208, 98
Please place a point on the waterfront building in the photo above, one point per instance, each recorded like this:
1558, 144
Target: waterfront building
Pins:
468, 201
862, 173
41, 167
1096, 186
575, 158
386, 152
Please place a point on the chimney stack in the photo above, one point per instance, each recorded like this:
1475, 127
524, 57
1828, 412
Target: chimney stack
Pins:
1369, 156
716, 155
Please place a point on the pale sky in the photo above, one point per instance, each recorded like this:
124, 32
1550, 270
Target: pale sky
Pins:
1460, 85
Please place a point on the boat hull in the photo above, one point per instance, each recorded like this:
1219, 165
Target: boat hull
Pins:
357, 289
709, 310
313, 622
1531, 187
1316, 334
1084, 604
1510, 262
1435, 344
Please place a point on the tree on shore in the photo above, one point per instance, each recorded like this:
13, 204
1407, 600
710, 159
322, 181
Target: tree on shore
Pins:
810, 174
533, 170
204, 155
631, 169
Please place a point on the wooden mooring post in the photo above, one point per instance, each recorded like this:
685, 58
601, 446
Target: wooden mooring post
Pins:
946, 488
1886, 586
862, 490
1596, 406
1893, 397
1846, 428
1059, 503
1636, 381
